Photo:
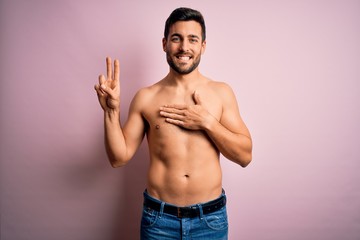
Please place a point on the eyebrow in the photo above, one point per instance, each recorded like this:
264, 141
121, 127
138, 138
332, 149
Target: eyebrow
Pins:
194, 36
189, 36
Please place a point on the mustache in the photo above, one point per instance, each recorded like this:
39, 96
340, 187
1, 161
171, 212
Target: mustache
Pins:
183, 53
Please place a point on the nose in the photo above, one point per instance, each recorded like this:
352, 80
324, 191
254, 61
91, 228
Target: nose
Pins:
184, 46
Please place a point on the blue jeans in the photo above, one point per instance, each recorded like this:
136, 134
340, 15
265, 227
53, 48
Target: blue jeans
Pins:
158, 225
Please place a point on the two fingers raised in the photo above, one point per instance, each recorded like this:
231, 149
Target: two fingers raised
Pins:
110, 75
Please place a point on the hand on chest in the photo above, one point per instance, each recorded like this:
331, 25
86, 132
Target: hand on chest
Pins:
186, 109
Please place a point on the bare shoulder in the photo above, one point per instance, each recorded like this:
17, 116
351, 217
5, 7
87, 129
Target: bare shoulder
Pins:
223, 89
222, 86
144, 96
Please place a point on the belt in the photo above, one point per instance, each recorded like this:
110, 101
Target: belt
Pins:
187, 212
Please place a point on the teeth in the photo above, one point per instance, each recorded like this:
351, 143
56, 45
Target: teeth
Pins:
184, 58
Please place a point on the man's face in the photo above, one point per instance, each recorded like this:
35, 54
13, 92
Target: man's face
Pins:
184, 46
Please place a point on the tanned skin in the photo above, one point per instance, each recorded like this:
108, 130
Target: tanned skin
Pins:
187, 118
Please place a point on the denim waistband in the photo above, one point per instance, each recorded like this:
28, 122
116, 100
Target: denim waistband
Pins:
188, 211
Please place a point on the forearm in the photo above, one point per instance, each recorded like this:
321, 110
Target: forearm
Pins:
236, 147
115, 144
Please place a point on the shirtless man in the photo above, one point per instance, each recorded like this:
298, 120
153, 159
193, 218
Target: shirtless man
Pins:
188, 120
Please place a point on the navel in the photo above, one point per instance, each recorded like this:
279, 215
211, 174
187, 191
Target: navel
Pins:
186, 176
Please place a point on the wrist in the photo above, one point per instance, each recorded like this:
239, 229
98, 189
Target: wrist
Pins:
112, 114
210, 123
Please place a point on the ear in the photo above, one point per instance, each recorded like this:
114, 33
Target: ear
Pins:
164, 44
203, 47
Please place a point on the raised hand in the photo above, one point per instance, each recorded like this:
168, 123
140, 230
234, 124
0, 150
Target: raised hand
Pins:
192, 117
108, 89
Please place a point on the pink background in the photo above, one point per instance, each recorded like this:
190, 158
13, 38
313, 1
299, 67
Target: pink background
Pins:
295, 68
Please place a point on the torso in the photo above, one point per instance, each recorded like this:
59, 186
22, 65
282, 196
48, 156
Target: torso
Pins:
184, 164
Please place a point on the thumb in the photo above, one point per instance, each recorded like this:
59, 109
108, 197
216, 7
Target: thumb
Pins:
107, 90
197, 99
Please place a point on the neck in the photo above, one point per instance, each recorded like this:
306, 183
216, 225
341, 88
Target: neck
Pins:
185, 80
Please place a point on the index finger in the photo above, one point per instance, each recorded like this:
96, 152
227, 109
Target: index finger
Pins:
108, 68
172, 106
116, 70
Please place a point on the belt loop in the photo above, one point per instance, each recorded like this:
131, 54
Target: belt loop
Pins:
200, 211
161, 209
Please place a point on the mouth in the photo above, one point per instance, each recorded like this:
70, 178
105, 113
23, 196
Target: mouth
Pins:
184, 58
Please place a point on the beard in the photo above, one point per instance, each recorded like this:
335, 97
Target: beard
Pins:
178, 68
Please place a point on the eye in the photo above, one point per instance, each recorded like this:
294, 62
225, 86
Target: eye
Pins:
193, 40
175, 39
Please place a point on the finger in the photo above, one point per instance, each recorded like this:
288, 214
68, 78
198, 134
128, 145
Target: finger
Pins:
104, 89
96, 87
174, 106
175, 122
98, 90
167, 110
100, 95
196, 97
102, 84
108, 68
102, 79
174, 116
116, 70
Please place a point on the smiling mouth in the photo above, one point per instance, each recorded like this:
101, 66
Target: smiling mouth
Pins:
183, 58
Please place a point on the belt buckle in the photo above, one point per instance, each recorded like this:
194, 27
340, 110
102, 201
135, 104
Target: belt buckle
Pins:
179, 215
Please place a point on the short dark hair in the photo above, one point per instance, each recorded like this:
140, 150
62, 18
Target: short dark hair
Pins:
185, 14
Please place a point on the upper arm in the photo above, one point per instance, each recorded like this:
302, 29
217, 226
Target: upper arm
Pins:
134, 128
230, 117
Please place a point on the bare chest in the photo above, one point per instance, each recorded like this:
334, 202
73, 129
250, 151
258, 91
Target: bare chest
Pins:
157, 124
